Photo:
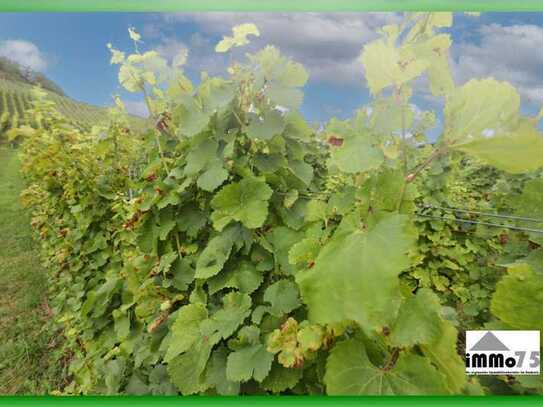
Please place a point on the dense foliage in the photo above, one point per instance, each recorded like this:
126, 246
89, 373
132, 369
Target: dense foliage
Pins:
233, 250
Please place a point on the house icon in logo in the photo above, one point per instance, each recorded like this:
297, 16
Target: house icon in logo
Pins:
489, 342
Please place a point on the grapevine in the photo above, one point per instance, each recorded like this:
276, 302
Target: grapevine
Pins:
231, 249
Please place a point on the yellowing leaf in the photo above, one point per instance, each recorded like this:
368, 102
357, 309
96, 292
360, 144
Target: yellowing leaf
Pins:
129, 78
239, 38
441, 19
117, 57
385, 66
133, 34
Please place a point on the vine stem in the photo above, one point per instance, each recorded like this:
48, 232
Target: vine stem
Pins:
238, 118
391, 362
414, 173
178, 244
152, 113
404, 154
157, 138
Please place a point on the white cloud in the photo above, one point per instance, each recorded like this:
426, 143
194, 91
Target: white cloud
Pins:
507, 53
171, 47
136, 107
25, 53
327, 44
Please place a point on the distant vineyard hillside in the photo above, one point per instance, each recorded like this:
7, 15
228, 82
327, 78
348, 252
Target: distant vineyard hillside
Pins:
16, 97
12, 71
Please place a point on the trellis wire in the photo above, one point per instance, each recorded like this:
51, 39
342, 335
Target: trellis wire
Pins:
474, 222
493, 215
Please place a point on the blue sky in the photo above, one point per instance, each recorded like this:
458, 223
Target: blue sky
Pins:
71, 50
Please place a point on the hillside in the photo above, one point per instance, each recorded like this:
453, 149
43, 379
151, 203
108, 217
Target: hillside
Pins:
16, 97
12, 71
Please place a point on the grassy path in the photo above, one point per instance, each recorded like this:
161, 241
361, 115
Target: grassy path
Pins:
24, 336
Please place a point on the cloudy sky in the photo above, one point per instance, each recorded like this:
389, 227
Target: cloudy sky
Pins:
71, 50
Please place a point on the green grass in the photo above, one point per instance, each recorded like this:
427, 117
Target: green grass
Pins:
27, 343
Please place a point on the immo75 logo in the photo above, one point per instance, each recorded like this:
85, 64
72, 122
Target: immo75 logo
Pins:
502, 352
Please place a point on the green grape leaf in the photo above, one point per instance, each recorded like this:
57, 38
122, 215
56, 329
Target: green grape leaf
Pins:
290, 198
297, 127
185, 330
122, 324
290, 98
245, 277
271, 124
304, 252
249, 362
192, 119
477, 106
216, 253
136, 386
183, 274
530, 202
349, 372
292, 74
532, 382
420, 311
385, 65
388, 116
159, 381
302, 170
245, 202
148, 235
443, 354
315, 210
166, 262
282, 238
356, 154
114, 372
281, 378
355, 276
187, 370
518, 299
283, 297
213, 177
440, 77
516, 151
191, 220
223, 323
216, 374
534, 260
436, 51
200, 156
216, 93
